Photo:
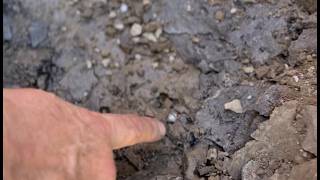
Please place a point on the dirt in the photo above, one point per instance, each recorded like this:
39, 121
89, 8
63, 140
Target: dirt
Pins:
183, 63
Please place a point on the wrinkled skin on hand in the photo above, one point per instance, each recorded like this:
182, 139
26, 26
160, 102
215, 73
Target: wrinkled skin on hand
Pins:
46, 138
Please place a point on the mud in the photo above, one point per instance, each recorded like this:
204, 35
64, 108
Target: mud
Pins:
191, 58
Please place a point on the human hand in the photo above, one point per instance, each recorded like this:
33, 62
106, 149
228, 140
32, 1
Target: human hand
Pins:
46, 138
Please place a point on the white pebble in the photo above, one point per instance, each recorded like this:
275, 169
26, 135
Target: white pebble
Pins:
171, 58
233, 10
150, 37
138, 57
248, 69
189, 7
89, 64
116, 65
118, 25
97, 50
158, 32
112, 14
234, 105
172, 117
249, 97
155, 65
123, 8
296, 78
136, 29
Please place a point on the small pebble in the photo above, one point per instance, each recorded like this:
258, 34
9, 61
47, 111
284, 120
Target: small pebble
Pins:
296, 78
123, 8
89, 64
105, 52
195, 39
171, 58
136, 30
155, 65
233, 10
97, 50
158, 32
85, 94
286, 66
172, 117
106, 62
248, 69
136, 39
137, 57
234, 105
118, 25
112, 14
188, 7
116, 65
249, 97
150, 37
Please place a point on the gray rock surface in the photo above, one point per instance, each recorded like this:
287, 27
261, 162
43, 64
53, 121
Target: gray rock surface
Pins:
309, 114
38, 32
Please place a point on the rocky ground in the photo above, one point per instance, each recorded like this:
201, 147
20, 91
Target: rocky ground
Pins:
234, 81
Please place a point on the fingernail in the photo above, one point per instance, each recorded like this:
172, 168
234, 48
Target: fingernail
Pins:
162, 129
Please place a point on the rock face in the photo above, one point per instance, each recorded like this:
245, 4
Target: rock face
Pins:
307, 171
275, 139
309, 114
305, 42
232, 114
220, 42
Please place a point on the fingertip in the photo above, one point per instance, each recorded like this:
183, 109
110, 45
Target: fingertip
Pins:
162, 129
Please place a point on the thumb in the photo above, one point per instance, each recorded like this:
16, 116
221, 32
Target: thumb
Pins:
126, 130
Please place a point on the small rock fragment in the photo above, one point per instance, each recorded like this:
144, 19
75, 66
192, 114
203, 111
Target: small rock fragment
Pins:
89, 64
248, 69
123, 8
112, 14
136, 29
219, 15
172, 117
233, 10
106, 62
118, 25
150, 37
296, 78
137, 57
234, 106
158, 32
